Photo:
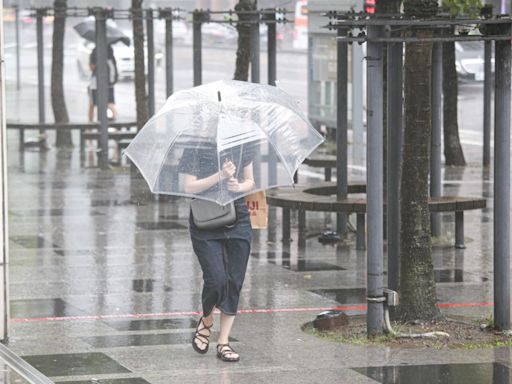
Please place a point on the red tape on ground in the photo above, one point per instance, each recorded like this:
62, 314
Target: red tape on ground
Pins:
360, 307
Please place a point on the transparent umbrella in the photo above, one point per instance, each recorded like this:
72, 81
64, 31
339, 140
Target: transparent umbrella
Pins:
199, 129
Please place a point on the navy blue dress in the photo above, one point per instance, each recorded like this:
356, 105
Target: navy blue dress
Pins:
222, 253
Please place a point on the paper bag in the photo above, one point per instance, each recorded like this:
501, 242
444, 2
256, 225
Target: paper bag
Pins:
258, 209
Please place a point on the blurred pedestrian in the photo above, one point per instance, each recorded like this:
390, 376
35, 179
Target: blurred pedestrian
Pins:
223, 253
93, 83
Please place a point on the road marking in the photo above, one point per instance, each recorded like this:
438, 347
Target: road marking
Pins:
355, 307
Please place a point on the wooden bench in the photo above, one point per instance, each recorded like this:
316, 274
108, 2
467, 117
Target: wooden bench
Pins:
322, 198
84, 129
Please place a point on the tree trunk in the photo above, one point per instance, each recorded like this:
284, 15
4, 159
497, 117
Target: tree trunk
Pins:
243, 52
141, 99
60, 111
453, 153
417, 285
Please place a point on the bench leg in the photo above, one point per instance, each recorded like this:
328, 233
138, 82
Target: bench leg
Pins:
302, 228
360, 233
22, 139
286, 225
328, 174
459, 230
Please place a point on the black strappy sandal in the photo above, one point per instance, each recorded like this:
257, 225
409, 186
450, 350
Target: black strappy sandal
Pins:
223, 352
205, 339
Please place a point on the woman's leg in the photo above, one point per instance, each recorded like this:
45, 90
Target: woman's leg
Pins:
237, 257
210, 254
226, 323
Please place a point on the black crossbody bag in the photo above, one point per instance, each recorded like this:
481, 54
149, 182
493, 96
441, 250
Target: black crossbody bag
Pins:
209, 215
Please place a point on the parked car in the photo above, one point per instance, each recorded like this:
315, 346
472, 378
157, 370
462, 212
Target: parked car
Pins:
469, 60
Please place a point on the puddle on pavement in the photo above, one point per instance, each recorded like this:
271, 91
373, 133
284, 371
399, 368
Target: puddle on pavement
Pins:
35, 308
149, 285
131, 380
343, 296
75, 364
32, 242
57, 212
302, 265
152, 324
449, 275
114, 203
481, 373
165, 225
116, 341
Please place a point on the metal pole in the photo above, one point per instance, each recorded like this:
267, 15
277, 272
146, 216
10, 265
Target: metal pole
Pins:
4, 235
40, 70
394, 98
151, 61
197, 20
357, 104
487, 102
17, 26
341, 129
255, 49
502, 183
102, 83
255, 78
18, 70
168, 53
272, 69
375, 189
435, 157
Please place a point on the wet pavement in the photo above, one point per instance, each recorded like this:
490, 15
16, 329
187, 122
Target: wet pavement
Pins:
105, 288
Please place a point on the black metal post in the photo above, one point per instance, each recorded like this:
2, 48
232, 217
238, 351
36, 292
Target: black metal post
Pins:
255, 49
341, 129
394, 115
169, 80
487, 102
375, 186
18, 47
151, 61
40, 70
435, 155
197, 20
502, 182
272, 67
102, 83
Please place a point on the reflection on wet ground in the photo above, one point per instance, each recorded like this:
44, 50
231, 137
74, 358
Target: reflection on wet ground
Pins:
105, 285
75, 364
490, 373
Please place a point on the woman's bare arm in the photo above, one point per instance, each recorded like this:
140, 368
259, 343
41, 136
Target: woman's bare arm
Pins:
194, 185
245, 186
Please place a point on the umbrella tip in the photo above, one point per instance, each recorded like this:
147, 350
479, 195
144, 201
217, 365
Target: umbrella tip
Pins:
218, 96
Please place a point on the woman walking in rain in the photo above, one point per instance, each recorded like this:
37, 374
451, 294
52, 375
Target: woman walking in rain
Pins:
223, 253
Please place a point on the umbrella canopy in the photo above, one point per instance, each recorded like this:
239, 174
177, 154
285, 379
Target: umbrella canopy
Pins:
195, 134
87, 29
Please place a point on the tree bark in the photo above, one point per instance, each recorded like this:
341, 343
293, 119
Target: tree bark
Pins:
60, 112
452, 148
243, 52
417, 285
141, 98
